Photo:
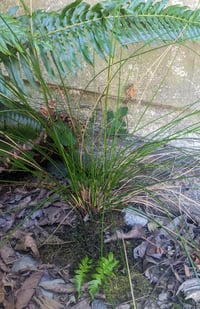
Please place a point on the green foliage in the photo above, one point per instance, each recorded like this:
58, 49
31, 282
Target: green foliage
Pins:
103, 270
65, 135
82, 272
25, 125
61, 38
18, 121
116, 123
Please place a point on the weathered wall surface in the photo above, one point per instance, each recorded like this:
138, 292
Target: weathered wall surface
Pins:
169, 77
52, 4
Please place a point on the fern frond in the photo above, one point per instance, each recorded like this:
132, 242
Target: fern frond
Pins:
81, 273
103, 270
13, 120
62, 38
94, 286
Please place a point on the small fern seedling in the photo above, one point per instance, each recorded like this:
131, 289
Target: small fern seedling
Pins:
82, 272
104, 269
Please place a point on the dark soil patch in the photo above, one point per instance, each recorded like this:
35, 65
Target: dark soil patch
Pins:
85, 238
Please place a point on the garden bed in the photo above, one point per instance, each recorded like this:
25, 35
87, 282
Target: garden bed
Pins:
43, 239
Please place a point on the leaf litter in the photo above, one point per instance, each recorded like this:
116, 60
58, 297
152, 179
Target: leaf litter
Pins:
27, 282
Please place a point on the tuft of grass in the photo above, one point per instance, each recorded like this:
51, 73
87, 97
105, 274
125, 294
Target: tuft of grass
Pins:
105, 166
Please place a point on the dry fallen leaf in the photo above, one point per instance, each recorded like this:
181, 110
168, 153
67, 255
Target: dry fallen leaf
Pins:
24, 202
187, 271
9, 303
9, 285
28, 243
191, 289
27, 290
45, 302
135, 233
7, 254
2, 289
83, 304
57, 286
3, 267
196, 260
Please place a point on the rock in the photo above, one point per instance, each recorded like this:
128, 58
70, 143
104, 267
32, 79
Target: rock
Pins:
163, 297
132, 217
25, 263
98, 304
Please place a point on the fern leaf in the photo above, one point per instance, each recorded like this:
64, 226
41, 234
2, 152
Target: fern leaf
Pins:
94, 286
81, 273
62, 38
103, 270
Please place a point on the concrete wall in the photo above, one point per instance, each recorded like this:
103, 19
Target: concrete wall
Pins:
53, 5
167, 77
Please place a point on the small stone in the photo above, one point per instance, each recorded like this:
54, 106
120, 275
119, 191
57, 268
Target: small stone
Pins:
163, 297
132, 218
98, 304
25, 263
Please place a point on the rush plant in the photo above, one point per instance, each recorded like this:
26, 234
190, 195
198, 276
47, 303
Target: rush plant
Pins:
100, 171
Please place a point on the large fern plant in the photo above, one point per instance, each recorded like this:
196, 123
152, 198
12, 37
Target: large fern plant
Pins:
61, 39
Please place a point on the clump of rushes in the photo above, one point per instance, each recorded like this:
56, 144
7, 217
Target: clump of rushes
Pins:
100, 173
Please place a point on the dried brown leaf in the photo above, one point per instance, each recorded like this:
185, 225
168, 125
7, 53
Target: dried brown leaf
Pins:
196, 260
82, 304
8, 282
28, 243
7, 254
187, 271
24, 202
53, 214
135, 233
58, 286
178, 278
45, 302
27, 290
3, 267
9, 303
2, 289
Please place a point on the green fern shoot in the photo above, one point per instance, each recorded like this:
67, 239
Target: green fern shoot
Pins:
82, 272
103, 270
